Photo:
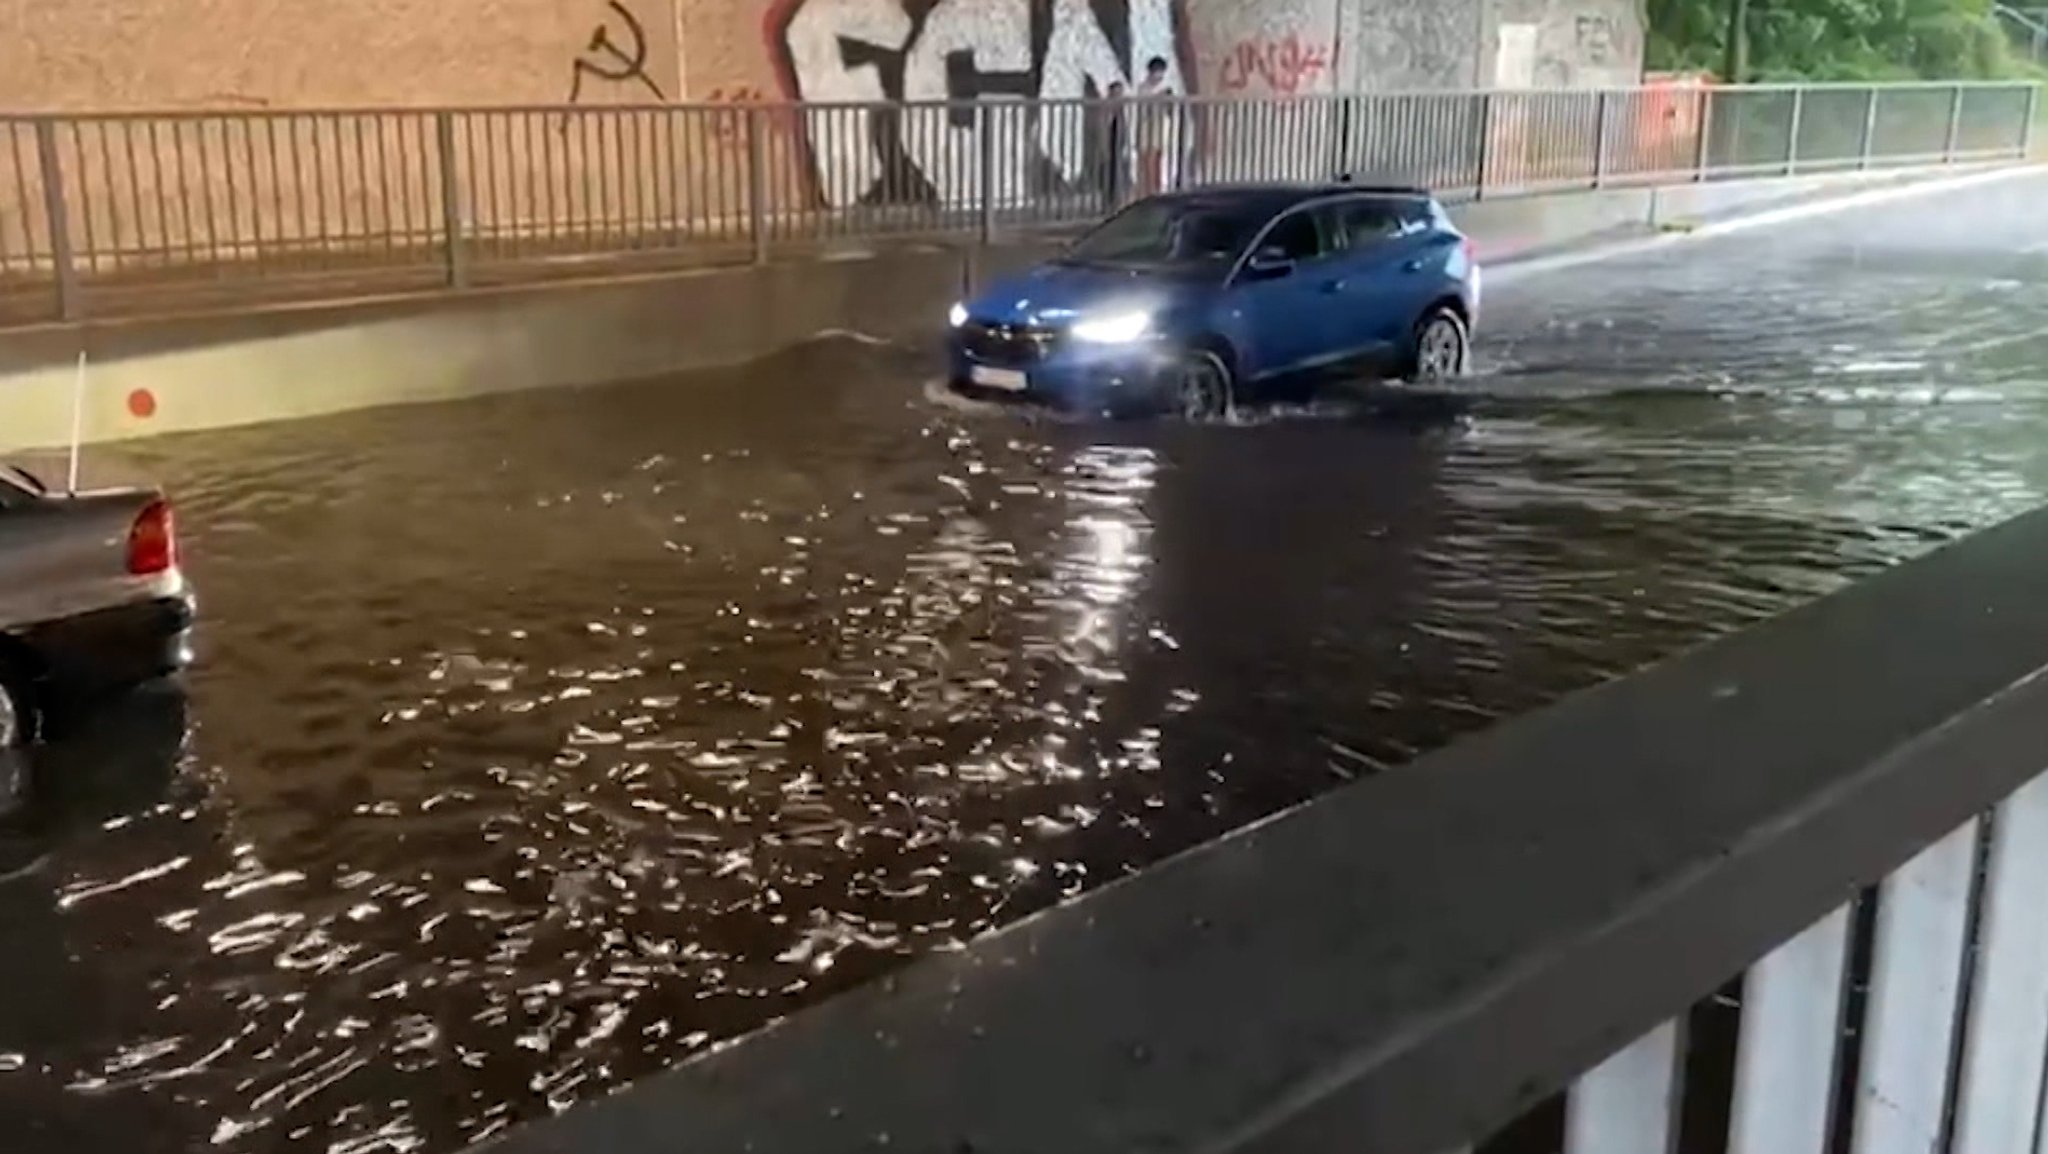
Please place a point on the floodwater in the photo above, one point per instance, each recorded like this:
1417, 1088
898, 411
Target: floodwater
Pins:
541, 741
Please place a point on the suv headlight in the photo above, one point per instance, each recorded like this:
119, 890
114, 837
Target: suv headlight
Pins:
957, 315
1115, 329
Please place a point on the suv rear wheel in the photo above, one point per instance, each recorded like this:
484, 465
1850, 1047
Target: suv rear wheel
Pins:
1442, 348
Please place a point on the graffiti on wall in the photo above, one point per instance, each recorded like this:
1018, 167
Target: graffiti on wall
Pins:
1285, 65
1586, 50
615, 57
1416, 46
888, 52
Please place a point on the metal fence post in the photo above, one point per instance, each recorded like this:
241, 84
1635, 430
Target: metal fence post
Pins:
1792, 131
54, 209
984, 119
1600, 130
757, 179
2027, 122
451, 201
1955, 125
1703, 148
1869, 141
1485, 145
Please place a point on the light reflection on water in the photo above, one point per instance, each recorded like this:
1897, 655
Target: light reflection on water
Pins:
540, 742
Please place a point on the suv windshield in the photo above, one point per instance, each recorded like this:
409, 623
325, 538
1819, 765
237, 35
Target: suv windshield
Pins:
1173, 233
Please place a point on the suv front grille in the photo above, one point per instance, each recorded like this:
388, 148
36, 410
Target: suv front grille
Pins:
1007, 344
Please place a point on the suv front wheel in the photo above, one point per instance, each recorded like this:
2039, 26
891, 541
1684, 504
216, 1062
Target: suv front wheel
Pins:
1203, 388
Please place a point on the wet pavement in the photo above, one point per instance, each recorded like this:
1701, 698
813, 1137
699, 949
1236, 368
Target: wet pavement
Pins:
541, 741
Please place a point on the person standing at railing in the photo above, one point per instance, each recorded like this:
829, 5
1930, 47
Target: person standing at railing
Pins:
1158, 129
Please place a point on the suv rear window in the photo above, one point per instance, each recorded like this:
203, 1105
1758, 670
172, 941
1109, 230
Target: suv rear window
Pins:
1364, 222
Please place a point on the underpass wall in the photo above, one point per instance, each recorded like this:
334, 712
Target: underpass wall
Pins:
149, 377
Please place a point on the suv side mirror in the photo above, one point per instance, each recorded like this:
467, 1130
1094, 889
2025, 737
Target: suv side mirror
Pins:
1269, 263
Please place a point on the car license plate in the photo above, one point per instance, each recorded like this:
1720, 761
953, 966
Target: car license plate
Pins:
995, 378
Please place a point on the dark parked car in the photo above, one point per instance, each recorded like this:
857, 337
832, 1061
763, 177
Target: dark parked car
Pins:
92, 599
1194, 301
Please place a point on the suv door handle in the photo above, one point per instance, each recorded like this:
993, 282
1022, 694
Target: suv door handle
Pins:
1333, 286
1413, 265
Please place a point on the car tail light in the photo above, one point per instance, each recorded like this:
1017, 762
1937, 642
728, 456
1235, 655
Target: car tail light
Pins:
153, 540
1471, 250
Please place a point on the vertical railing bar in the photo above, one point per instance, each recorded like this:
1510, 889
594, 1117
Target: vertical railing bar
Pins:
384, 182
985, 120
490, 234
1795, 123
473, 213
757, 174
1629, 1103
30, 251
133, 171
1486, 157
359, 189
101, 129
277, 213
1600, 129
1955, 124
1703, 148
1869, 138
325, 250
255, 175
1903, 1083
2033, 109
301, 236
91, 253
2006, 1028
1789, 1044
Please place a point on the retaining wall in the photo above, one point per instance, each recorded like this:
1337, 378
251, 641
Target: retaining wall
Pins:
154, 376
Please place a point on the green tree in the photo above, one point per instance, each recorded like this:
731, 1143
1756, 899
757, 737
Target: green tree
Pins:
1837, 39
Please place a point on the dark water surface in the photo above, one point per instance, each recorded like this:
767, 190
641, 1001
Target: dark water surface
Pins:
543, 740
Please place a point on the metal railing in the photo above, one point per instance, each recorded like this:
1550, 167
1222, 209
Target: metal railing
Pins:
92, 206
1782, 893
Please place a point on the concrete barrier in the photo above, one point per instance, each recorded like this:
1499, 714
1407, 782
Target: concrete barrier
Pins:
152, 376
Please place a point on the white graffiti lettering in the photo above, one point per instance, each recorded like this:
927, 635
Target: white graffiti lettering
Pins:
961, 64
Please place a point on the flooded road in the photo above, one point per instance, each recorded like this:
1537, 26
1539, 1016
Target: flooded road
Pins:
541, 741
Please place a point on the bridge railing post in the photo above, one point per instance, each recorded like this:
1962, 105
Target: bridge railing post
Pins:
985, 120
1792, 131
451, 200
1955, 124
1869, 138
57, 213
2027, 121
1703, 148
1486, 157
757, 181
1601, 130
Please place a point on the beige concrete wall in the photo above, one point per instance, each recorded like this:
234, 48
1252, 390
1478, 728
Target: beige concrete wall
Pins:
226, 54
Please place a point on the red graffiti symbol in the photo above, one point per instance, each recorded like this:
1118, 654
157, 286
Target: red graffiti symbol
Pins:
1286, 65
142, 404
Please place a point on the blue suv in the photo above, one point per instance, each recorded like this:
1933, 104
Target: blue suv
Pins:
1195, 301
